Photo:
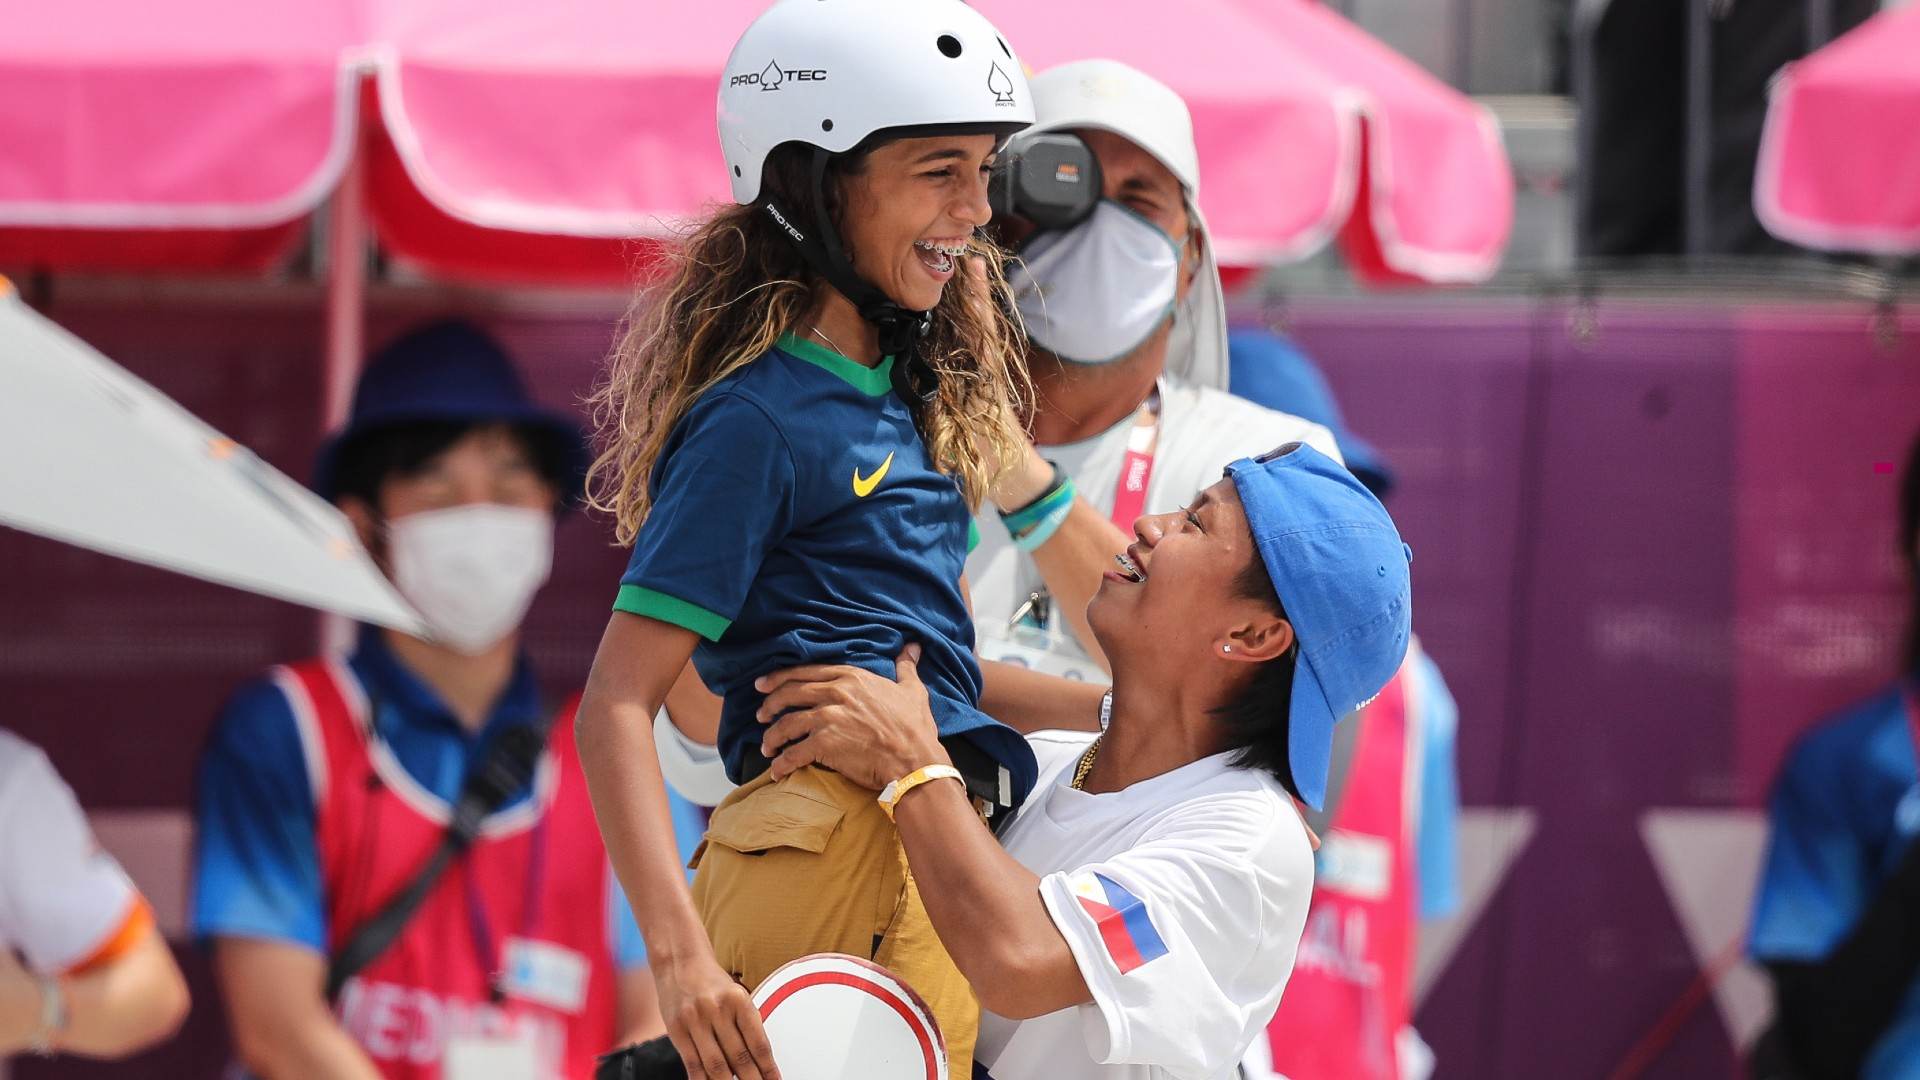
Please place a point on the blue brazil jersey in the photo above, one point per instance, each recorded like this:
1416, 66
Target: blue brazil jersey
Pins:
798, 519
1844, 811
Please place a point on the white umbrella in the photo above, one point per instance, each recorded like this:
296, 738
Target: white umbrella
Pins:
97, 458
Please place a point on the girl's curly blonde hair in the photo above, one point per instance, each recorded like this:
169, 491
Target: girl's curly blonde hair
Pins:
732, 288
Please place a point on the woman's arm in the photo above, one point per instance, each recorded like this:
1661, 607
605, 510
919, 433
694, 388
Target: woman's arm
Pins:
710, 1018
1028, 701
114, 1008
985, 906
693, 708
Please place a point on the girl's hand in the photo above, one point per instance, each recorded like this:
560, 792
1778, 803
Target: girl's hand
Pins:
1022, 481
868, 729
712, 1020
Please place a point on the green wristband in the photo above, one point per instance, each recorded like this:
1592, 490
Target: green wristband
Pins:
1025, 518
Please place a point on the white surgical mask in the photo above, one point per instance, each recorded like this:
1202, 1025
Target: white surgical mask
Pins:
472, 570
1093, 293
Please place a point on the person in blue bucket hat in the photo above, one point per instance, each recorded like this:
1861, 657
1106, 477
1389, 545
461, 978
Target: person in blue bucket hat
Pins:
427, 766
1271, 370
450, 376
1137, 918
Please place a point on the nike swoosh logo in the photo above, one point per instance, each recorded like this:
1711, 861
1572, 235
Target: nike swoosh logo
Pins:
864, 487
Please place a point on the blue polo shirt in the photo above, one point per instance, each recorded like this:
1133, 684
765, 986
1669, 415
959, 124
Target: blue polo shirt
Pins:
256, 859
798, 519
1843, 813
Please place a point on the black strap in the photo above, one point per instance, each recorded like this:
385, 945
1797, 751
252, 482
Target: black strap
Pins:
506, 769
900, 330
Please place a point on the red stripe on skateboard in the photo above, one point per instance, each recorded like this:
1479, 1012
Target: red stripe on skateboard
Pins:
841, 978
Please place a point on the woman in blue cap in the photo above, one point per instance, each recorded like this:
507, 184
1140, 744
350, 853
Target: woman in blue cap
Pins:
1141, 919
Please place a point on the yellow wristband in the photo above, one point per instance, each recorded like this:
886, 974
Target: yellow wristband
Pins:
897, 790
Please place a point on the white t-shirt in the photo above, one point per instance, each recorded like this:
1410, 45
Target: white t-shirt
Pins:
1202, 431
61, 897
1182, 898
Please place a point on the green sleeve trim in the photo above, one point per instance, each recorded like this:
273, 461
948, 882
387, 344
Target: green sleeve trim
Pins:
973, 535
636, 600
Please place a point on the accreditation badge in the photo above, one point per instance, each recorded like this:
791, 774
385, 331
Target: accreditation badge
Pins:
544, 973
1045, 650
508, 1056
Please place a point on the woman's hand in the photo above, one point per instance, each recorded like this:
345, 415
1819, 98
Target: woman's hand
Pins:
869, 729
712, 1020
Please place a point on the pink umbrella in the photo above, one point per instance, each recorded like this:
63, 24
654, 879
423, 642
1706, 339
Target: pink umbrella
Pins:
1840, 155
592, 120
1434, 199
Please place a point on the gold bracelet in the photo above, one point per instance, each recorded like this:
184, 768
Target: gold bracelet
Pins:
897, 790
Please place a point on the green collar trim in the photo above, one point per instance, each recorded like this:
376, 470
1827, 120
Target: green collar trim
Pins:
876, 381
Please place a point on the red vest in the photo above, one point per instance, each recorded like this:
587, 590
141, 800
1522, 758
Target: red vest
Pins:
530, 898
1352, 985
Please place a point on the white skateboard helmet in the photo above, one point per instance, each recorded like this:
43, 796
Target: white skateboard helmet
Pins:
829, 73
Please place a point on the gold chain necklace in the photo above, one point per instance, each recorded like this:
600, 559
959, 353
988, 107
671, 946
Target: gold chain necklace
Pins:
822, 334
1081, 770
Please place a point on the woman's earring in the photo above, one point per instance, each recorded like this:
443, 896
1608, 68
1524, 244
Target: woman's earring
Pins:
1226, 648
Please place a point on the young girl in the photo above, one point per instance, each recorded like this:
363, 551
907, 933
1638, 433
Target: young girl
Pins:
795, 430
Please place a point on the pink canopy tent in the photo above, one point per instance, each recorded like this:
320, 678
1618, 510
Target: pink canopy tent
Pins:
496, 139
1840, 154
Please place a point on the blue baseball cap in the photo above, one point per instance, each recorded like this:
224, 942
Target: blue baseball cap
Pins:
1268, 369
450, 371
1344, 577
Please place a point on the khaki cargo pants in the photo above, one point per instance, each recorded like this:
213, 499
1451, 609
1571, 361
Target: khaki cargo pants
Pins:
812, 864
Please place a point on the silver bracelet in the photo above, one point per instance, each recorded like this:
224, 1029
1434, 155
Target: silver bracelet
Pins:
1106, 709
53, 1015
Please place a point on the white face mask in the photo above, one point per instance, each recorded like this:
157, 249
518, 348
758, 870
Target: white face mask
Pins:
1093, 293
472, 570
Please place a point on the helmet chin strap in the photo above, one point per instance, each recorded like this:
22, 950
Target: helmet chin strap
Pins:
900, 329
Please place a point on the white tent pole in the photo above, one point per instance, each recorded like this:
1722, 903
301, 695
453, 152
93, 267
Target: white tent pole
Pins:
346, 287
346, 324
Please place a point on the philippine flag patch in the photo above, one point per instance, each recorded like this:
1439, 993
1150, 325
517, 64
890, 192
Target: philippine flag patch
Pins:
1121, 917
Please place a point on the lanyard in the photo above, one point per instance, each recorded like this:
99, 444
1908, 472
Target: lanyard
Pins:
1129, 501
1136, 469
485, 947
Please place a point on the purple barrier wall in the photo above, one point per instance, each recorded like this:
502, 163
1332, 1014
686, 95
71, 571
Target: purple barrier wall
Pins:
1651, 546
